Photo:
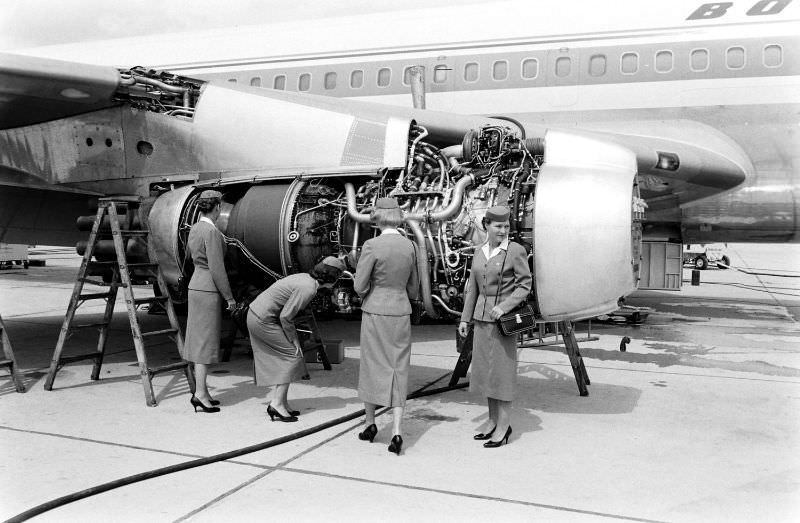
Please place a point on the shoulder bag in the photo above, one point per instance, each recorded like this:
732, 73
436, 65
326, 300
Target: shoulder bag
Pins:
519, 319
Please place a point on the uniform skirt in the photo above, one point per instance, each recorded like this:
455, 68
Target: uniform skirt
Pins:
203, 326
275, 360
385, 358
494, 362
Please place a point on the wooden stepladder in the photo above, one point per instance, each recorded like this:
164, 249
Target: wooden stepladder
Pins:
8, 358
567, 331
121, 278
310, 339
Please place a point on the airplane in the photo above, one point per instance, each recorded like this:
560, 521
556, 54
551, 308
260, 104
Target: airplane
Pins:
598, 125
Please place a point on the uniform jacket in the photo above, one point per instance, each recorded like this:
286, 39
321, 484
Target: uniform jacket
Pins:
485, 282
208, 254
285, 299
386, 275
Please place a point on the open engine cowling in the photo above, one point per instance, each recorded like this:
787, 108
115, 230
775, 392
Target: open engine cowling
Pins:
571, 196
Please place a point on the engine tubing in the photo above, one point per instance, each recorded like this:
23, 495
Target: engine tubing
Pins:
105, 487
423, 271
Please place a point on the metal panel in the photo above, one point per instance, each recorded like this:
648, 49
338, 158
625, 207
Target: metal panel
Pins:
583, 260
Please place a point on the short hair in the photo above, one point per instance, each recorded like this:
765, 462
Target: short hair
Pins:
386, 217
485, 221
207, 204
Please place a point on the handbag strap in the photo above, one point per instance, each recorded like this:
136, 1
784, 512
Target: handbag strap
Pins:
500, 282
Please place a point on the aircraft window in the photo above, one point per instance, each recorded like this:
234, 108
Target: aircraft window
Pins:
440, 74
530, 68
255, 81
664, 61
232, 80
773, 56
629, 63
304, 82
735, 57
471, 71
407, 75
384, 76
699, 59
563, 66
597, 65
357, 79
330, 80
279, 82
500, 70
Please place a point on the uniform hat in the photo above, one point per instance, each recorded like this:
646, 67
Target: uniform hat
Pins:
210, 195
334, 262
387, 203
498, 213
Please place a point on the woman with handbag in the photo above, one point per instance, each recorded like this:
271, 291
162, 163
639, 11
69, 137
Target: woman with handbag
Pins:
499, 281
386, 279
207, 288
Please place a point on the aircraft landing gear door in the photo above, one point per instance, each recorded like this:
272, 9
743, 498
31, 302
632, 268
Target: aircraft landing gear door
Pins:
582, 239
563, 70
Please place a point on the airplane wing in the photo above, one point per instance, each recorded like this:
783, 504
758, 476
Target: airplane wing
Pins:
34, 90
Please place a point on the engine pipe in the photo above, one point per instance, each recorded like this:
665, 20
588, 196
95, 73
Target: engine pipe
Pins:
352, 211
448, 212
423, 270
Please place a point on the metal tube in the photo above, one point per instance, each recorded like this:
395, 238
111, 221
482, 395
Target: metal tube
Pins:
352, 211
445, 307
449, 211
423, 270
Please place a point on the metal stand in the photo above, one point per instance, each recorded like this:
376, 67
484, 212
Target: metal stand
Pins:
121, 278
310, 339
9, 360
570, 344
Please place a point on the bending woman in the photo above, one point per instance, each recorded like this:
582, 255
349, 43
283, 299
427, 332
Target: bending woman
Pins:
500, 280
207, 288
386, 280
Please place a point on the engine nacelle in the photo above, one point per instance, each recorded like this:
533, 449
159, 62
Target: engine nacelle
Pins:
571, 197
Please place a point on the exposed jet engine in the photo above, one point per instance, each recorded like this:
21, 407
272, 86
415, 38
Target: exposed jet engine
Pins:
572, 197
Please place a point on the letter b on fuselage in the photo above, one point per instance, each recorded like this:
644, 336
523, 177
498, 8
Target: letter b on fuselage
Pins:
718, 9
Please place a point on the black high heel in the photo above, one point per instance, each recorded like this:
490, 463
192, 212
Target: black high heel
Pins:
197, 403
368, 433
214, 402
275, 414
397, 444
494, 444
483, 436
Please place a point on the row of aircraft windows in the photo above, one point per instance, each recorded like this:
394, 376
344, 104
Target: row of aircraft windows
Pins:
699, 60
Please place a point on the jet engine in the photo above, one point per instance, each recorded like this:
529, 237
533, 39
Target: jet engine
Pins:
573, 200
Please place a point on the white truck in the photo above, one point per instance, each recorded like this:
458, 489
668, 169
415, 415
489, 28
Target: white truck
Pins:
702, 255
13, 253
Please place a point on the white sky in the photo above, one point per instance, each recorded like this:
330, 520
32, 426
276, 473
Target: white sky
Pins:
31, 23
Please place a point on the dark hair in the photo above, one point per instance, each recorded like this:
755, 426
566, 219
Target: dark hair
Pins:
486, 221
206, 205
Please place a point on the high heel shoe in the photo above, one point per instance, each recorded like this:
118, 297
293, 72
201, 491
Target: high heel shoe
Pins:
397, 444
368, 433
483, 436
494, 444
214, 403
275, 414
197, 403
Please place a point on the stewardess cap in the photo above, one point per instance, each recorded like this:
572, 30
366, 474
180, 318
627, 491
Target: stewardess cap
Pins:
498, 213
210, 195
334, 262
387, 203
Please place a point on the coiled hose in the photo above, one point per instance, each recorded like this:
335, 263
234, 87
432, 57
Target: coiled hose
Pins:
105, 487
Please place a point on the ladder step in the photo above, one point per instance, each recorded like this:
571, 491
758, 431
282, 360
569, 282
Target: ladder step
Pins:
79, 357
99, 283
156, 333
153, 299
94, 296
132, 232
87, 325
167, 368
6, 363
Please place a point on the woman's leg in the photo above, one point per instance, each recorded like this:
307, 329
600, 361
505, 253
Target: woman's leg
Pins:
278, 400
503, 419
492, 412
201, 379
369, 417
397, 422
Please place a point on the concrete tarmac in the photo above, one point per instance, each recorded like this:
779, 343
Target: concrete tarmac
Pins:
696, 421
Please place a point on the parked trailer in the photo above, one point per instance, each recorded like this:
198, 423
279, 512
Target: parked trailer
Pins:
13, 253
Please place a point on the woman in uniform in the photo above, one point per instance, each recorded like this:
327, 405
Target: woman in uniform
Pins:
208, 282
500, 280
386, 280
277, 353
